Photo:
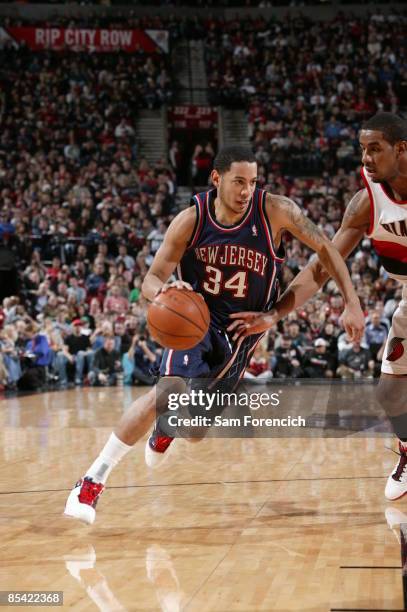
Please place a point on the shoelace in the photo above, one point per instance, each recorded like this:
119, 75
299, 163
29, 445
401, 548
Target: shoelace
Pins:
90, 492
389, 448
402, 464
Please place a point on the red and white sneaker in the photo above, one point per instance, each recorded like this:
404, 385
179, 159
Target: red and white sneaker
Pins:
396, 485
82, 500
156, 445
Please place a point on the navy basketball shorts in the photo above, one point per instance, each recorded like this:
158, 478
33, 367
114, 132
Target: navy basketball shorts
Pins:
216, 357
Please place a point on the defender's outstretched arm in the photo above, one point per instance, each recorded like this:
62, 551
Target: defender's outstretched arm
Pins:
328, 263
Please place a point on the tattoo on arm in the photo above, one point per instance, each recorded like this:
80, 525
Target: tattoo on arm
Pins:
297, 218
309, 229
353, 208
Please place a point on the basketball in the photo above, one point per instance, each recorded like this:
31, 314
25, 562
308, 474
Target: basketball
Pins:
178, 319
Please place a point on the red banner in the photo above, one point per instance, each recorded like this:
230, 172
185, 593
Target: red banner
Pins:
81, 39
193, 117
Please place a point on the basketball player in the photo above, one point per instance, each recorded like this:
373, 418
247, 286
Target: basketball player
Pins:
379, 211
227, 246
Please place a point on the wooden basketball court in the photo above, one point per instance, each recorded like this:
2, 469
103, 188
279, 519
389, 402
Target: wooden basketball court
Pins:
254, 524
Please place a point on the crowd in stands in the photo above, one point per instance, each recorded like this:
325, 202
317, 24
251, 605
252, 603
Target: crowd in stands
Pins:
83, 215
79, 316
76, 207
308, 85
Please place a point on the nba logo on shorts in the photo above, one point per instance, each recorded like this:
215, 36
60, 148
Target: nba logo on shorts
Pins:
186, 359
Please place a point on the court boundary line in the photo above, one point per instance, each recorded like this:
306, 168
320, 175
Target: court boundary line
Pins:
392, 567
193, 484
230, 548
367, 610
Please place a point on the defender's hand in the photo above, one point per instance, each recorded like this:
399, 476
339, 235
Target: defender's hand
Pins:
249, 323
353, 321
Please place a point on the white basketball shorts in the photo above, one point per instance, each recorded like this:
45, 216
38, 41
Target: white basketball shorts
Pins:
395, 352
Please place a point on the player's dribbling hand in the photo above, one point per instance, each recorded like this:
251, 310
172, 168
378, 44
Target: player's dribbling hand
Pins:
178, 284
249, 323
353, 321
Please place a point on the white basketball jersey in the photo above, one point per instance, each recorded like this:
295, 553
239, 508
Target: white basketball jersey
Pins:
388, 229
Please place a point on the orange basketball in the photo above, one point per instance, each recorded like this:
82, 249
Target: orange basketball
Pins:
178, 319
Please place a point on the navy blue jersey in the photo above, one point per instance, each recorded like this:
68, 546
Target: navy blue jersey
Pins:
235, 267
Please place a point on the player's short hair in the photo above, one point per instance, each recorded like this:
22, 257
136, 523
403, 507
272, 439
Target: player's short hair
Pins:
228, 155
393, 127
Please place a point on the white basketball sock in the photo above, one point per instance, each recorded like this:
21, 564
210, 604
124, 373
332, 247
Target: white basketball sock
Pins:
112, 453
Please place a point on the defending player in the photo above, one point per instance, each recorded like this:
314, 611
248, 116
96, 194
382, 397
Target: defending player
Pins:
228, 247
380, 212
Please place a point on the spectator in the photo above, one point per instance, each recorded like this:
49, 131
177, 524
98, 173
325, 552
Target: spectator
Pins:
375, 334
124, 257
54, 270
287, 359
122, 340
61, 324
95, 282
318, 363
344, 343
202, 161
10, 356
36, 358
140, 362
355, 363
330, 335
103, 329
20, 341
176, 159
9, 310
136, 291
76, 352
259, 366
3, 374
106, 365
116, 303
43, 295
298, 340
156, 237
76, 290
123, 129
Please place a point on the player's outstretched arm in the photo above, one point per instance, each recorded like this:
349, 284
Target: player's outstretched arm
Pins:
314, 275
169, 254
354, 226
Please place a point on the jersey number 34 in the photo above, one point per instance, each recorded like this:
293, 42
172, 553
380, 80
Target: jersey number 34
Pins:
215, 282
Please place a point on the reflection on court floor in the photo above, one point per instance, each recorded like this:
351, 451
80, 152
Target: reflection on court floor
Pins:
227, 524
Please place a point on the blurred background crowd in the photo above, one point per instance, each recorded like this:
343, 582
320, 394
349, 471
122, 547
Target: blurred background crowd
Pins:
308, 85
82, 213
